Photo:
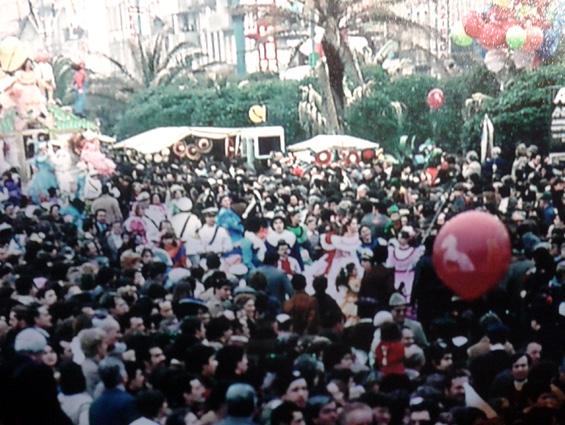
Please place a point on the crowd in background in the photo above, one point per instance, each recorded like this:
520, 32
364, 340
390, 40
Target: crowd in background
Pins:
207, 292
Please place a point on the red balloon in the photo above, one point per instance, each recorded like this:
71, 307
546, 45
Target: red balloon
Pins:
534, 39
472, 253
493, 35
473, 24
436, 99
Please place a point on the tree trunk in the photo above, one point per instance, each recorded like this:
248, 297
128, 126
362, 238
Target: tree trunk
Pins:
335, 70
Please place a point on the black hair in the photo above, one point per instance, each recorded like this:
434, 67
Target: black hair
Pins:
271, 258
72, 380
320, 284
149, 403
228, 357
283, 414
110, 375
298, 282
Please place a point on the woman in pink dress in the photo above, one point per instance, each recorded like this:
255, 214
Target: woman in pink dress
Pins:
95, 159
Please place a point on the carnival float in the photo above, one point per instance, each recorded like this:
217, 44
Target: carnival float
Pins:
49, 145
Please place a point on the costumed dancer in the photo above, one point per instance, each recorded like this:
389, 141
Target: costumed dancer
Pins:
186, 226
403, 257
44, 177
155, 214
91, 154
31, 102
44, 72
253, 246
341, 250
278, 233
65, 170
229, 220
80, 80
135, 223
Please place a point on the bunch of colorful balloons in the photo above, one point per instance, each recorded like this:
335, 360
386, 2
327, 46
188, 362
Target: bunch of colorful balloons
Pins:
524, 31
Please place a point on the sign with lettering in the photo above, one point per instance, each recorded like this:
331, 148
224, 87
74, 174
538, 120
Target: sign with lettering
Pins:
557, 148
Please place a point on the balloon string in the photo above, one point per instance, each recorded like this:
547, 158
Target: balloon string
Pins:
438, 212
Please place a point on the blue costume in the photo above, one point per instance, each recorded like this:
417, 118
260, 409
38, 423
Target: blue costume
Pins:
229, 220
43, 179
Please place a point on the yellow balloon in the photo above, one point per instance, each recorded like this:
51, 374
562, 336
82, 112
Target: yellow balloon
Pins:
13, 54
258, 114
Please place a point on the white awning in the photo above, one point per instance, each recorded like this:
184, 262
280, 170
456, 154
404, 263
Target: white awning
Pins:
157, 139
331, 142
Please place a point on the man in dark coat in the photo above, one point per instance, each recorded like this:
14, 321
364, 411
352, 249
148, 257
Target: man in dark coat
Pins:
28, 389
378, 281
115, 406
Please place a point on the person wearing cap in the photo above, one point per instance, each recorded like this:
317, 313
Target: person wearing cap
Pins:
292, 387
28, 389
186, 226
398, 307
214, 238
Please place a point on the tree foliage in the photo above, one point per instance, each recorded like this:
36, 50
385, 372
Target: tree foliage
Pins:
374, 118
219, 106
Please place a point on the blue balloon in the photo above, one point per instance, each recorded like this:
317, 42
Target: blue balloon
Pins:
551, 40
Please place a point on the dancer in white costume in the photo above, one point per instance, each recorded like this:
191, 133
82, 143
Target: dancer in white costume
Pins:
66, 171
402, 256
186, 226
341, 250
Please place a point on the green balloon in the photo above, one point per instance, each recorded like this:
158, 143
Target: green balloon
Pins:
516, 37
460, 37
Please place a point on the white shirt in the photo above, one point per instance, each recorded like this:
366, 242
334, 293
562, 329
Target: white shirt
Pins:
144, 421
220, 244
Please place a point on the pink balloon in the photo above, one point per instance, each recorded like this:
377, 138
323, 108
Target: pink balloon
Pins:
436, 99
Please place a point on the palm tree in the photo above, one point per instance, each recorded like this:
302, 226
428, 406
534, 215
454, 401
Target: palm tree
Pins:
153, 65
340, 18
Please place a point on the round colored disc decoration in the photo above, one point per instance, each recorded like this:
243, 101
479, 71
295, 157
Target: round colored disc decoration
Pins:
472, 253
436, 99
516, 37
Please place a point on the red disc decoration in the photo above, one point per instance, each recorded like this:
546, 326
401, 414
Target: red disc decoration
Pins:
471, 253
436, 98
324, 157
352, 157
179, 148
367, 155
473, 24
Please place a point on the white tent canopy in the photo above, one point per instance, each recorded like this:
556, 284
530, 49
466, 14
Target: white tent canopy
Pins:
329, 142
157, 139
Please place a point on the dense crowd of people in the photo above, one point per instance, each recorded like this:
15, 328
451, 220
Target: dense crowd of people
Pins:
297, 293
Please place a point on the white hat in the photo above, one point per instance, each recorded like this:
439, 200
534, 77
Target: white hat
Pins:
30, 340
143, 196
184, 204
382, 317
